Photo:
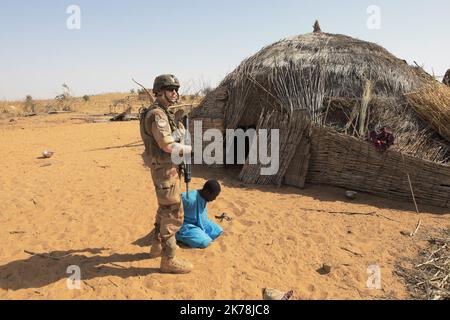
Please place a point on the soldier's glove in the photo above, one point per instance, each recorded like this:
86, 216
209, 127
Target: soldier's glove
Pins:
178, 135
181, 148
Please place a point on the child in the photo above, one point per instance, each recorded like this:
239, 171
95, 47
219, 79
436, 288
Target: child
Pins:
197, 230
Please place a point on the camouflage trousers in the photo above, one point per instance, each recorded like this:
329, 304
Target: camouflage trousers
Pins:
170, 214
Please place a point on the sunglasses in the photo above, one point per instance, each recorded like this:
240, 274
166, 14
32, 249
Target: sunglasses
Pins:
171, 89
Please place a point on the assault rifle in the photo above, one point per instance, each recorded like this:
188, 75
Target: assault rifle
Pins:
187, 157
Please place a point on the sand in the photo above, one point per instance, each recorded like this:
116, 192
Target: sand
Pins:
93, 206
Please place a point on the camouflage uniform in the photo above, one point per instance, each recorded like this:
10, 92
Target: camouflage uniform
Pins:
157, 130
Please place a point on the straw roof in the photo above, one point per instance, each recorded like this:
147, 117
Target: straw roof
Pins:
432, 103
344, 61
345, 83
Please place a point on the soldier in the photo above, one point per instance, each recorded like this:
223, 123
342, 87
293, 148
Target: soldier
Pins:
162, 136
446, 79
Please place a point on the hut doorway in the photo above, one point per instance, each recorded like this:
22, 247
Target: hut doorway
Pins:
293, 131
237, 154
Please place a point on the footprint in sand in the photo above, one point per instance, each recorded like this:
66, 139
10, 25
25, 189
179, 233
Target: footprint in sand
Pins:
223, 247
152, 284
92, 229
61, 236
324, 296
236, 207
247, 223
241, 207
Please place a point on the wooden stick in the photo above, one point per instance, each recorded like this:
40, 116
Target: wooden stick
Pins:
129, 145
417, 228
113, 283
367, 95
414, 199
17, 232
352, 252
351, 213
88, 285
145, 89
411, 188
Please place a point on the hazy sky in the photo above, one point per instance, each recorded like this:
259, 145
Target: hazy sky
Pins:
198, 40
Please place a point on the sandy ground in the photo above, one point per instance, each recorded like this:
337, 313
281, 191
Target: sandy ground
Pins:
93, 206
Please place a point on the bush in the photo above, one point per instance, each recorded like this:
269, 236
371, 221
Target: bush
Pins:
30, 106
206, 90
86, 98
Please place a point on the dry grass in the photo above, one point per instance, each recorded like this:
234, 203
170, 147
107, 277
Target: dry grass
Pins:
96, 103
100, 104
429, 277
432, 103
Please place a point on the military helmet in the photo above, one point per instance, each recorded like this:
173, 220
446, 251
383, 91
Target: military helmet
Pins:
165, 81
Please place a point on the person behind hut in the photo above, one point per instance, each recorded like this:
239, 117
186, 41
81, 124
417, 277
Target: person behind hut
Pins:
446, 79
159, 131
197, 230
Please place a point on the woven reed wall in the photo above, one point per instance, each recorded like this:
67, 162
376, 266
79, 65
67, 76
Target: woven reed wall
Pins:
207, 123
292, 130
344, 161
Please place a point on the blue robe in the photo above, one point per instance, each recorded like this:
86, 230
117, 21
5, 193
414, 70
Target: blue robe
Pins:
197, 230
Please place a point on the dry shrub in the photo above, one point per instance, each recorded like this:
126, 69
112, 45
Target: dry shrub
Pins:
429, 278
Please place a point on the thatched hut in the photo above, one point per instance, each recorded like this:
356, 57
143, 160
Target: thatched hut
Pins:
306, 83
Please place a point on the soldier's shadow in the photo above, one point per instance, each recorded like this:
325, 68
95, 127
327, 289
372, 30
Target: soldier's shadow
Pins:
145, 241
42, 269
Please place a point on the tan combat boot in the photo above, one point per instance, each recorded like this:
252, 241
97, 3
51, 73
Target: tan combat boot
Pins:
175, 265
156, 249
